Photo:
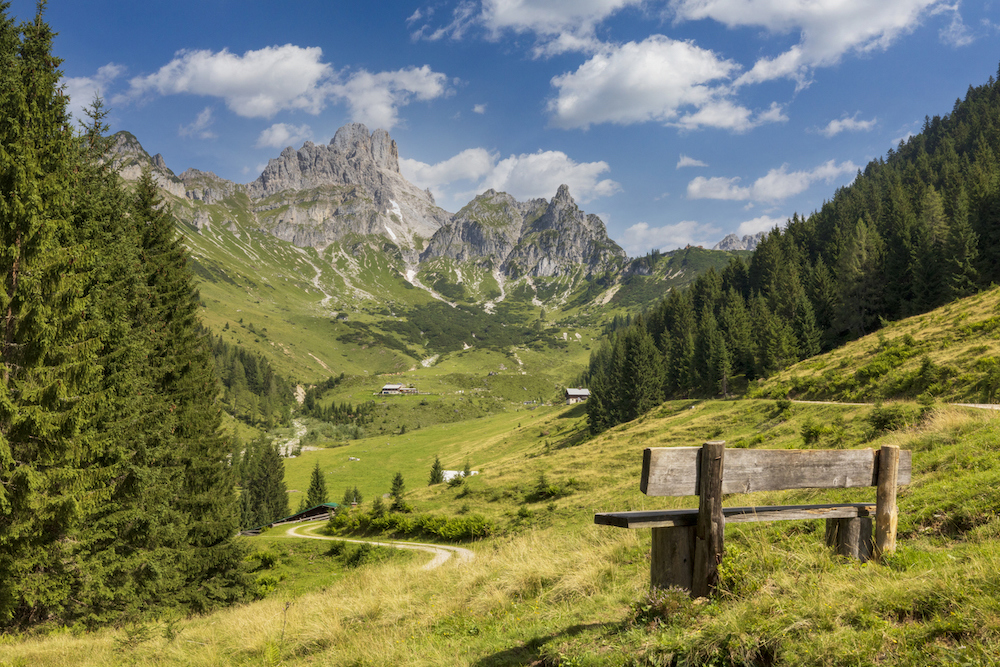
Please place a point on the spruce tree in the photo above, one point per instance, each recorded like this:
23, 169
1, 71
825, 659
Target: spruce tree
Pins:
317, 488
183, 372
437, 472
397, 491
48, 341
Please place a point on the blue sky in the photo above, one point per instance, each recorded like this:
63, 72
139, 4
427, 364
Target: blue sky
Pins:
676, 121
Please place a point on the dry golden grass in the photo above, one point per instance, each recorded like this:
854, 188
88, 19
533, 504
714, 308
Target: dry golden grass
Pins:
561, 585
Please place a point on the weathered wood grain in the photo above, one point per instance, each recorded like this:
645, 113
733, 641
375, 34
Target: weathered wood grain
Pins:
850, 537
709, 542
674, 471
689, 517
886, 514
672, 557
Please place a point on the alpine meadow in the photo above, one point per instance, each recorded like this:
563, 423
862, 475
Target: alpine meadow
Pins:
317, 419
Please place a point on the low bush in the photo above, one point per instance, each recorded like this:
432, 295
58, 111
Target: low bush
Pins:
454, 529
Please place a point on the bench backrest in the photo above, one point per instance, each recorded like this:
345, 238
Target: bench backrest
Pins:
675, 471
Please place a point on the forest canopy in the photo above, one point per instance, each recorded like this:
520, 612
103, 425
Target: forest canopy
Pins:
116, 494
915, 230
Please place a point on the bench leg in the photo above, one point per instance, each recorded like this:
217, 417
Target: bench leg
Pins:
850, 537
672, 562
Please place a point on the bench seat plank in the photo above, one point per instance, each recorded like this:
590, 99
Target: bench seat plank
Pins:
668, 518
674, 471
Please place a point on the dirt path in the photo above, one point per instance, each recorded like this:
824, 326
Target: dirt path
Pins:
978, 406
441, 552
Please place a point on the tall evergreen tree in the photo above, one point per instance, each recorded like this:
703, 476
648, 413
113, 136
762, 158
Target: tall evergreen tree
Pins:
397, 491
48, 341
183, 372
317, 488
437, 472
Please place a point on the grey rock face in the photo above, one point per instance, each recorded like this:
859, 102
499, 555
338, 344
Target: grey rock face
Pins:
352, 188
310, 183
132, 158
561, 237
733, 242
206, 187
536, 238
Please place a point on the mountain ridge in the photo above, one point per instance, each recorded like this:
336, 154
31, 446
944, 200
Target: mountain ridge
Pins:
352, 189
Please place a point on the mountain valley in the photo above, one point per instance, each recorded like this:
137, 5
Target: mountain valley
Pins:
332, 262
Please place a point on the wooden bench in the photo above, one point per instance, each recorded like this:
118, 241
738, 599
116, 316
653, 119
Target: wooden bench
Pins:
688, 544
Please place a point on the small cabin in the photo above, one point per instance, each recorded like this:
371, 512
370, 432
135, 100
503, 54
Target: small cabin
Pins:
576, 396
396, 390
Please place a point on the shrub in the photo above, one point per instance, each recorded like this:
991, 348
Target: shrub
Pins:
886, 418
811, 431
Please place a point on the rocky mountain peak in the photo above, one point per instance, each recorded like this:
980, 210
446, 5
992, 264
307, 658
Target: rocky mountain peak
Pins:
537, 238
733, 242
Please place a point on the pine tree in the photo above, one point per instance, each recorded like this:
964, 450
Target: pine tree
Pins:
437, 472
48, 341
317, 488
962, 250
397, 491
351, 497
183, 372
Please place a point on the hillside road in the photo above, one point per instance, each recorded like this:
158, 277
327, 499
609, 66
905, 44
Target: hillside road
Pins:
442, 553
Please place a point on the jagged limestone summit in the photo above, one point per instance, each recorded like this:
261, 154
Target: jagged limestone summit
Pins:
351, 190
338, 263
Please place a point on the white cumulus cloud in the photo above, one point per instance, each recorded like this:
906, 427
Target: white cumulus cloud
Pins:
199, 127
776, 185
82, 89
827, 29
685, 161
847, 124
262, 83
257, 84
640, 238
658, 79
524, 176
471, 164
281, 135
559, 26
763, 223
374, 99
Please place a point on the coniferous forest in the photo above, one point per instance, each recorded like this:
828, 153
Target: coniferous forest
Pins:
915, 230
116, 493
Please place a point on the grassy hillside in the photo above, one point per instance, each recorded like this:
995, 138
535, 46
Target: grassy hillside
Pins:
949, 354
550, 588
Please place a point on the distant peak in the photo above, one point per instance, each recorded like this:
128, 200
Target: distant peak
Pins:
349, 136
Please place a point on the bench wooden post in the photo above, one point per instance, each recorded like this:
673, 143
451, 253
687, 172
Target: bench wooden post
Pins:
710, 532
886, 514
850, 537
671, 562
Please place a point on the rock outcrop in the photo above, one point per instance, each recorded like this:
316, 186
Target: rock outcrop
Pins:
351, 189
132, 158
536, 238
350, 186
733, 242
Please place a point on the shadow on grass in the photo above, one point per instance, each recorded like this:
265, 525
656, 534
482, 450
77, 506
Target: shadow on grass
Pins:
575, 412
528, 653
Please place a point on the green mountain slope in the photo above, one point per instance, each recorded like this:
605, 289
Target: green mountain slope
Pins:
949, 354
363, 305
549, 587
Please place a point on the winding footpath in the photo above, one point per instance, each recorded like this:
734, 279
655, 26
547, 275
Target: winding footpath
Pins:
441, 552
